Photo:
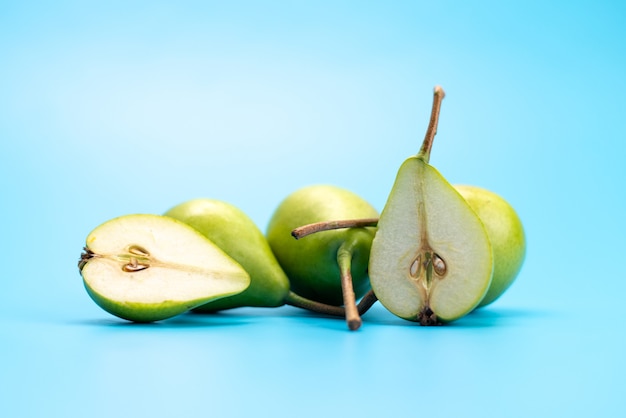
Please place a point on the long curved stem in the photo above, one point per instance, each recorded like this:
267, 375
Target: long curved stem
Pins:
438, 96
309, 229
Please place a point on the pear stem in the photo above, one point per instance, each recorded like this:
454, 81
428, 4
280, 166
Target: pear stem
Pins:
293, 299
344, 260
438, 96
367, 302
309, 229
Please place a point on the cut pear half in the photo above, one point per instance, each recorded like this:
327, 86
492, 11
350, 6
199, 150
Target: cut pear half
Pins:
146, 268
431, 258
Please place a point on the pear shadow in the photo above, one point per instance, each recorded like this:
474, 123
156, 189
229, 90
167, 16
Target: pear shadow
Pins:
225, 318
324, 321
493, 316
182, 321
485, 317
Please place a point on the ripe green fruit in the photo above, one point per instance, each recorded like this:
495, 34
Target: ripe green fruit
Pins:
146, 268
329, 266
506, 234
239, 237
431, 259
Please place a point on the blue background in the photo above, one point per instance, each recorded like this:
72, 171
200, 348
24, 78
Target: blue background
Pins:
110, 108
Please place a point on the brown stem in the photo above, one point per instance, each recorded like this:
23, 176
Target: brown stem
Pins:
298, 301
438, 96
309, 229
344, 259
367, 302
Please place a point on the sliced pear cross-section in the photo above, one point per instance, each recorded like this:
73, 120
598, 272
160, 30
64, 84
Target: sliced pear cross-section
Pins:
431, 259
147, 268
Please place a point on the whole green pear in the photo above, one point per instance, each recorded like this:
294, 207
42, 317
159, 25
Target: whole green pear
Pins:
238, 236
506, 234
314, 263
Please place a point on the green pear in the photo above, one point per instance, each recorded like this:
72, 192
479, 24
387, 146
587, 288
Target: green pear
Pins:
506, 235
238, 236
330, 266
431, 259
146, 268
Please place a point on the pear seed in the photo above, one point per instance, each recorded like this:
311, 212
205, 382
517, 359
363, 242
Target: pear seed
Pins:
415, 269
138, 250
134, 266
439, 265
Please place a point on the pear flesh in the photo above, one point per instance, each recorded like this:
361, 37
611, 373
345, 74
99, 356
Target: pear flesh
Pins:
146, 268
431, 259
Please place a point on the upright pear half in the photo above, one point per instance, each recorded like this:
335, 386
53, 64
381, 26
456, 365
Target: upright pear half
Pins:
431, 259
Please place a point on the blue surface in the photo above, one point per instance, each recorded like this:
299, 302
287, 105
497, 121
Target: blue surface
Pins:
109, 108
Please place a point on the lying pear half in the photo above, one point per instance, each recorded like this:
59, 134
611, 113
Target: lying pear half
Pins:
506, 235
431, 259
146, 268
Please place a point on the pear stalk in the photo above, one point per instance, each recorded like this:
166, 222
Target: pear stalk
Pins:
368, 300
313, 228
344, 260
429, 138
293, 299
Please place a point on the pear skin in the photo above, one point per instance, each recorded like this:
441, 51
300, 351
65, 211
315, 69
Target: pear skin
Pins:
239, 237
506, 234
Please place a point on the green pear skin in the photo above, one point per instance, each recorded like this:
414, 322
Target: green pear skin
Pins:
140, 312
506, 234
238, 236
311, 263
